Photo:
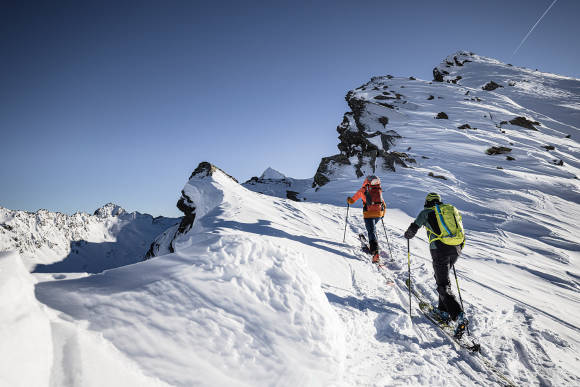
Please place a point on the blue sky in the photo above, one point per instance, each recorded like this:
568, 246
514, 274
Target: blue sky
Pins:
119, 100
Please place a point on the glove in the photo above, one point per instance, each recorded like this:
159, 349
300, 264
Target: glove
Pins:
411, 231
349, 200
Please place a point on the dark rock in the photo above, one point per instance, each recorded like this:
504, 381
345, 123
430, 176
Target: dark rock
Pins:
548, 147
388, 139
6, 226
412, 78
399, 96
424, 157
524, 123
509, 158
491, 86
559, 162
454, 81
499, 167
511, 83
292, 195
387, 105
206, 169
376, 88
495, 150
437, 75
464, 126
503, 123
568, 135
380, 97
357, 107
384, 120
437, 176
430, 98
389, 76
390, 159
408, 149
467, 92
442, 116
186, 205
386, 93
319, 178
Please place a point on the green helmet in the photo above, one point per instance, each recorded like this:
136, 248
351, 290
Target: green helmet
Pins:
432, 196
432, 199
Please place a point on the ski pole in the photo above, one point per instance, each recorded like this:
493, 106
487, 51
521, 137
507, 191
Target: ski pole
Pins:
459, 292
387, 236
345, 222
409, 264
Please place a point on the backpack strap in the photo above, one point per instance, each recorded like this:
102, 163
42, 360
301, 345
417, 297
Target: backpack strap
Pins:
440, 216
432, 235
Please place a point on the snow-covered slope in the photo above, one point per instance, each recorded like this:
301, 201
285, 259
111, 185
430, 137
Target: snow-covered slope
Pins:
251, 289
41, 349
53, 242
274, 183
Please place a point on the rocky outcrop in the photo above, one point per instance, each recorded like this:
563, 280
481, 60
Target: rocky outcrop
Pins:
205, 169
498, 150
491, 85
326, 166
438, 75
359, 138
442, 116
524, 123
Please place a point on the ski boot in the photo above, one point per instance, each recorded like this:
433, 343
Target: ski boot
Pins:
376, 258
462, 323
442, 316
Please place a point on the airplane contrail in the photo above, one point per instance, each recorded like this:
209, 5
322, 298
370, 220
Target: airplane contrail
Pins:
534, 26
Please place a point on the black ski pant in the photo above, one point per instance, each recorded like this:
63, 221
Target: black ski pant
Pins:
442, 264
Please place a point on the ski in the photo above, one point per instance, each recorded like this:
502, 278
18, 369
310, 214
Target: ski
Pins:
466, 342
381, 267
364, 243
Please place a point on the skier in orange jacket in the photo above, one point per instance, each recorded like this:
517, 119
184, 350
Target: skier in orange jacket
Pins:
373, 209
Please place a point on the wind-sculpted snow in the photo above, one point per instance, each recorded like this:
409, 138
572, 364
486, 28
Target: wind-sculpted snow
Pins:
40, 349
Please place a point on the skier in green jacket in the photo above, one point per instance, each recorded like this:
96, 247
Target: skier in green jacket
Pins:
444, 257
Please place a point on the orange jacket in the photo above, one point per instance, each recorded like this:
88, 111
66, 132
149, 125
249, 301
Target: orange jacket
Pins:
360, 194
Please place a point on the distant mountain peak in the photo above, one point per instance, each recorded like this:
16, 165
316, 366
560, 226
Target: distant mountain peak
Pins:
109, 210
272, 174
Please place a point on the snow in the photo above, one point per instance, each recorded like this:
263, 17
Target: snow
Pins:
263, 291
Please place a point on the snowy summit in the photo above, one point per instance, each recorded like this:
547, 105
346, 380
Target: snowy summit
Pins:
272, 174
